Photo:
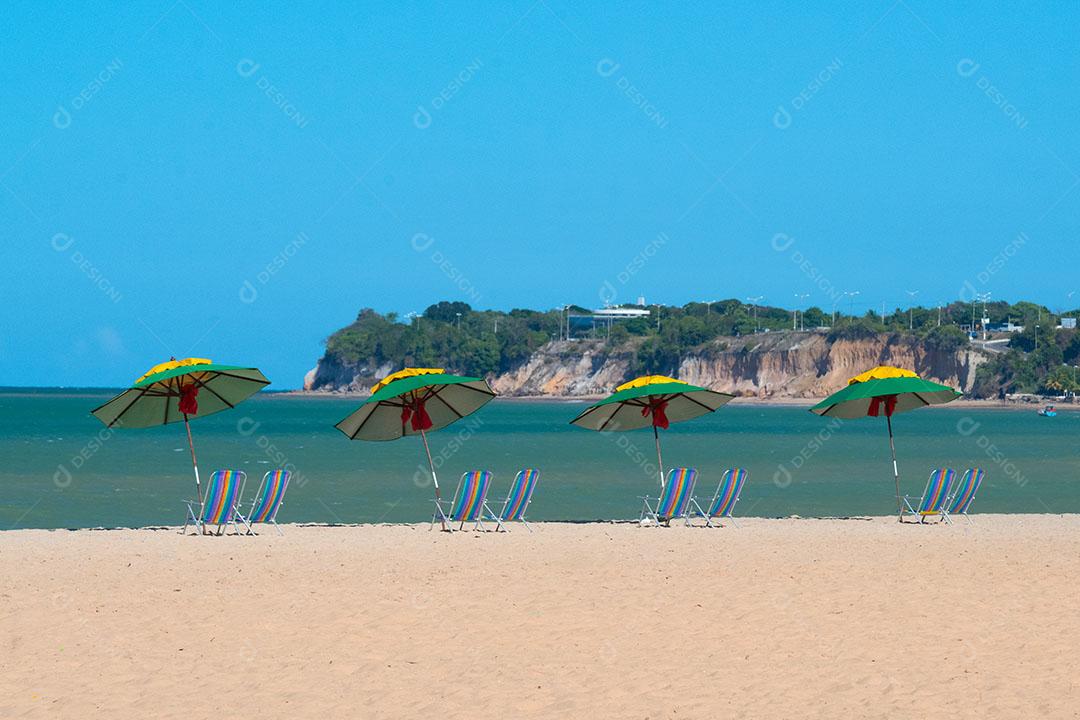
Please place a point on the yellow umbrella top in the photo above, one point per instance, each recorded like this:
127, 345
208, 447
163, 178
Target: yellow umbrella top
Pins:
171, 364
881, 372
648, 380
407, 372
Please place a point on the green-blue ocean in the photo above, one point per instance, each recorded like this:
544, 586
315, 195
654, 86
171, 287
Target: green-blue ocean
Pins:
61, 468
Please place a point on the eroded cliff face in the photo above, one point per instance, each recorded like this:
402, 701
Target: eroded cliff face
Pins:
805, 365
778, 365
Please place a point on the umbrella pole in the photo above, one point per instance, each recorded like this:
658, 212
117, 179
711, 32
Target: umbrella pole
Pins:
434, 478
659, 459
896, 471
194, 462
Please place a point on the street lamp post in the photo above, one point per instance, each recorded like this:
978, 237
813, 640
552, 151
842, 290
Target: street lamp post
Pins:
911, 309
795, 314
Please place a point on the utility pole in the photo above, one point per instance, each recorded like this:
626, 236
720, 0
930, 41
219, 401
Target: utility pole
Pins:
755, 301
657, 318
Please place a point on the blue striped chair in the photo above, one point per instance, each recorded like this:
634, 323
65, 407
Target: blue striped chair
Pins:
727, 494
674, 500
518, 499
469, 503
268, 500
933, 497
964, 494
219, 504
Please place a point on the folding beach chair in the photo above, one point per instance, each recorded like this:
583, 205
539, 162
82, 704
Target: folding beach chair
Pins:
220, 502
727, 494
469, 503
518, 499
674, 499
933, 498
268, 500
964, 494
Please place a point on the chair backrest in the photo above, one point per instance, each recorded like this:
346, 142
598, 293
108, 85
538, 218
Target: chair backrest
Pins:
965, 491
219, 505
520, 495
727, 493
269, 497
469, 498
677, 492
937, 489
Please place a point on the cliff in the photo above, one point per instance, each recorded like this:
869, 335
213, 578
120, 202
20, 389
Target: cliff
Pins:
777, 364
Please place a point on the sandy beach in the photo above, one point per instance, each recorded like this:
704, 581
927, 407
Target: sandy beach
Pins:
777, 618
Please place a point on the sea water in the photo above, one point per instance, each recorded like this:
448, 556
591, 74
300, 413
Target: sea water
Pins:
61, 468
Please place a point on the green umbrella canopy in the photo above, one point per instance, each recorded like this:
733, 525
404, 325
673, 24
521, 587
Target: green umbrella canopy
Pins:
399, 402
631, 406
155, 397
859, 398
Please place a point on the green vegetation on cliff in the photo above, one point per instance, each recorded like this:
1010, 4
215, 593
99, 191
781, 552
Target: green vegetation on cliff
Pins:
474, 342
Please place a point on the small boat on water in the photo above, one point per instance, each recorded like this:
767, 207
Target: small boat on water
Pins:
1048, 411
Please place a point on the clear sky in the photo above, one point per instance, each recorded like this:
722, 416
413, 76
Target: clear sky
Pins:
235, 181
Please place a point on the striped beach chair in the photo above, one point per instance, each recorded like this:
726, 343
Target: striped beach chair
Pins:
964, 494
469, 503
933, 497
219, 504
518, 499
674, 500
727, 494
268, 500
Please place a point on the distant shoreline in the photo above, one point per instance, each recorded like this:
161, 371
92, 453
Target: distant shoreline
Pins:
747, 401
962, 403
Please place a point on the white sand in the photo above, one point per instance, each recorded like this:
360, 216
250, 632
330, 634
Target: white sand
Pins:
779, 618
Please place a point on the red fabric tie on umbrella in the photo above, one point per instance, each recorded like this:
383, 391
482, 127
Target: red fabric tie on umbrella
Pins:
659, 416
875, 405
188, 403
418, 414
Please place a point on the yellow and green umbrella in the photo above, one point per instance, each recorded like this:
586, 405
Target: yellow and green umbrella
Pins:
885, 390
181, 390
414, 401
650, 401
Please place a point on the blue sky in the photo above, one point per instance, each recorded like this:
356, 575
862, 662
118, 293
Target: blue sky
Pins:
236, 182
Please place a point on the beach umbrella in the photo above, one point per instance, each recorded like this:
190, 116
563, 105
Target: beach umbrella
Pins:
651, 400
885, 390
415, 401
181, 390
